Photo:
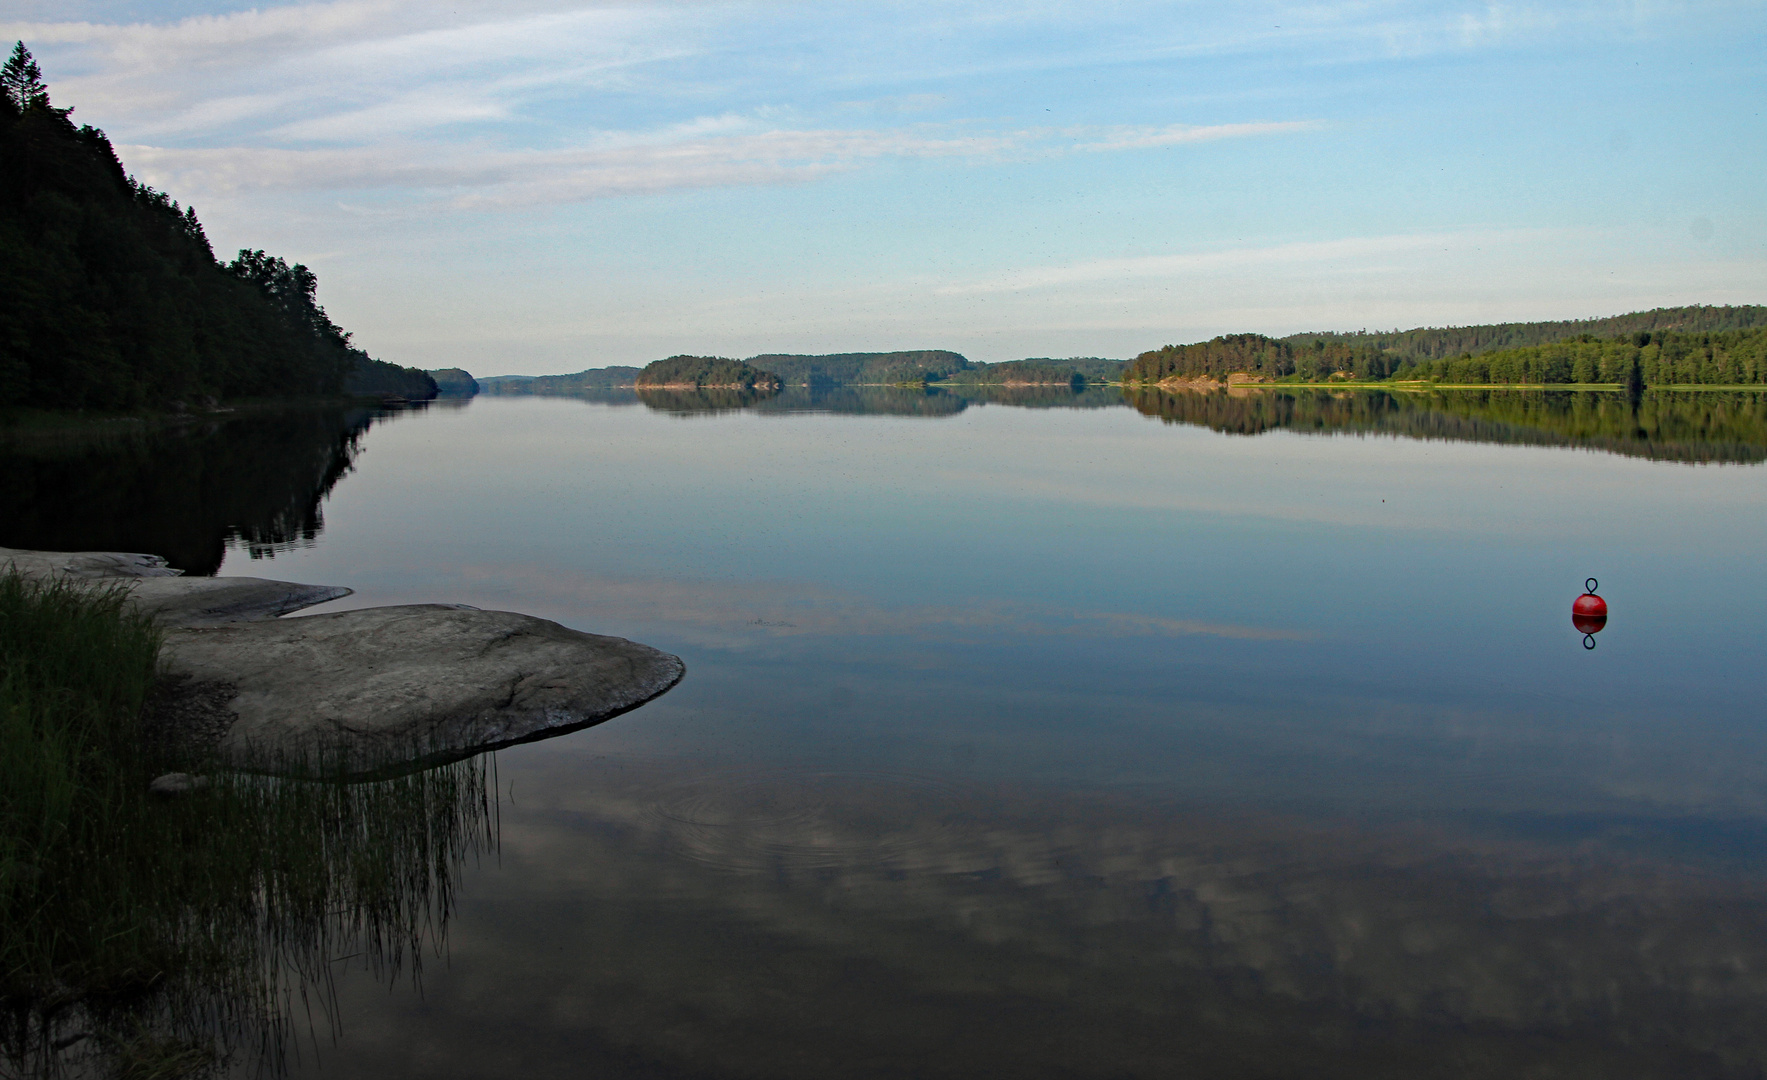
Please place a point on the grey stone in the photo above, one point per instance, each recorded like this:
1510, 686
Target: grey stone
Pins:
211, 601
86, 564
172, 600
359, 693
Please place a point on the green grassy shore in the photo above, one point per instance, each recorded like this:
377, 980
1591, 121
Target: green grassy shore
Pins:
153, 936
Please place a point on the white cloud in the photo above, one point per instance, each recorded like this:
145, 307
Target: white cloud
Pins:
1352, 254
483, 177
705, 152
1141, 138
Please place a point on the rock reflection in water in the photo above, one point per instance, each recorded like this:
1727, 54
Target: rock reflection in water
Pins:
816, 924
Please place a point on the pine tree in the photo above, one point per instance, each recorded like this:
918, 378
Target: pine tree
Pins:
22, 81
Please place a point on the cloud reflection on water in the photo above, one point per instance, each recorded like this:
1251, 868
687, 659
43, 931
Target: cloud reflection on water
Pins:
654, 916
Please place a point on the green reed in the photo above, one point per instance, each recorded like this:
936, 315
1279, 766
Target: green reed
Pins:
144, 936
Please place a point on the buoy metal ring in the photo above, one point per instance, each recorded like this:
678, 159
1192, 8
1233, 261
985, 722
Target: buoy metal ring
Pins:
1591, 585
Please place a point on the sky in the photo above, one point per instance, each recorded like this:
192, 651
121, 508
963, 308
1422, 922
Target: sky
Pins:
542, 186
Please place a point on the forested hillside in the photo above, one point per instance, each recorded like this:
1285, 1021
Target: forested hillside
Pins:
708, 372
454, 382
562, 385
1662, 359
111, 297
1735, 357
1256, 354
861, 369
1436, 343
1042, 371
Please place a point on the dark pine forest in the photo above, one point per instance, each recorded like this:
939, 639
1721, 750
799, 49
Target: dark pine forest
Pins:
112, 298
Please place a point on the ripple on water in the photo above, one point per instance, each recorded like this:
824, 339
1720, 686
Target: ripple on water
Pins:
781, 820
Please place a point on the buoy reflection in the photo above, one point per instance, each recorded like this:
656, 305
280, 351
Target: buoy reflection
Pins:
1589, 613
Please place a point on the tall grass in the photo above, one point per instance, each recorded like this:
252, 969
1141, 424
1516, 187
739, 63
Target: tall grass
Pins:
146, 936
76, 665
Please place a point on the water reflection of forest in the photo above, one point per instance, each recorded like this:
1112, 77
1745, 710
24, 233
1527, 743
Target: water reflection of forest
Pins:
1663, 425
929, 401
186, 490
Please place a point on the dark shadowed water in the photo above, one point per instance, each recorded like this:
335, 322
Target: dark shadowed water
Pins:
1213, 736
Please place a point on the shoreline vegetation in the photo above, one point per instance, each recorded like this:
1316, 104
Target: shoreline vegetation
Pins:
191, 836
146, 934
1683, 348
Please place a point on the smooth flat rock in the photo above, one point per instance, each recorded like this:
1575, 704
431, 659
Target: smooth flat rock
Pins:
86, 564
358, 693
170, 599
185, 601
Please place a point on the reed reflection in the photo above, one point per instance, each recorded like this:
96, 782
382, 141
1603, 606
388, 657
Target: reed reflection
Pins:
209, 929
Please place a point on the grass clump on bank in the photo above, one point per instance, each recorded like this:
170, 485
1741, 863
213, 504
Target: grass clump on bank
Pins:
148, 936
76, 667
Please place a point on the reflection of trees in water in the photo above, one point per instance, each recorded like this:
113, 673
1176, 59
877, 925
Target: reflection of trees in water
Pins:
690, 402
865, 401
931, 401
1662, 424
184, 491
1041, 397
226, 912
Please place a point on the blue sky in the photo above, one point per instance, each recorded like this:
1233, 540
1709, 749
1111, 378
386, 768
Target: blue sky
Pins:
544, 186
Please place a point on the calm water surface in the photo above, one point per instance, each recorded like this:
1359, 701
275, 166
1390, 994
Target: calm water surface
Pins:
1068, 742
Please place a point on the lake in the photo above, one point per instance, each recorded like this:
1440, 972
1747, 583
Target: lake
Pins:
1053, 735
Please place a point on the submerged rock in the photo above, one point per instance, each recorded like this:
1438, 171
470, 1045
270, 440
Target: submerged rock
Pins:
173, 784
358, 693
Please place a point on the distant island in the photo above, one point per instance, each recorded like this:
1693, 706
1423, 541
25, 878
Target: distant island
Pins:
111, 297
927, 368
705, 373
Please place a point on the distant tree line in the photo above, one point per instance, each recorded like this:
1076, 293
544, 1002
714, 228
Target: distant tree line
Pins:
1255, 354
111, 297
1439, 343
1040, 371
862, 369
1655, 358
561, 385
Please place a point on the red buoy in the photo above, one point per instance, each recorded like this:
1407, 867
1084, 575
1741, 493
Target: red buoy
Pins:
1589, 613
